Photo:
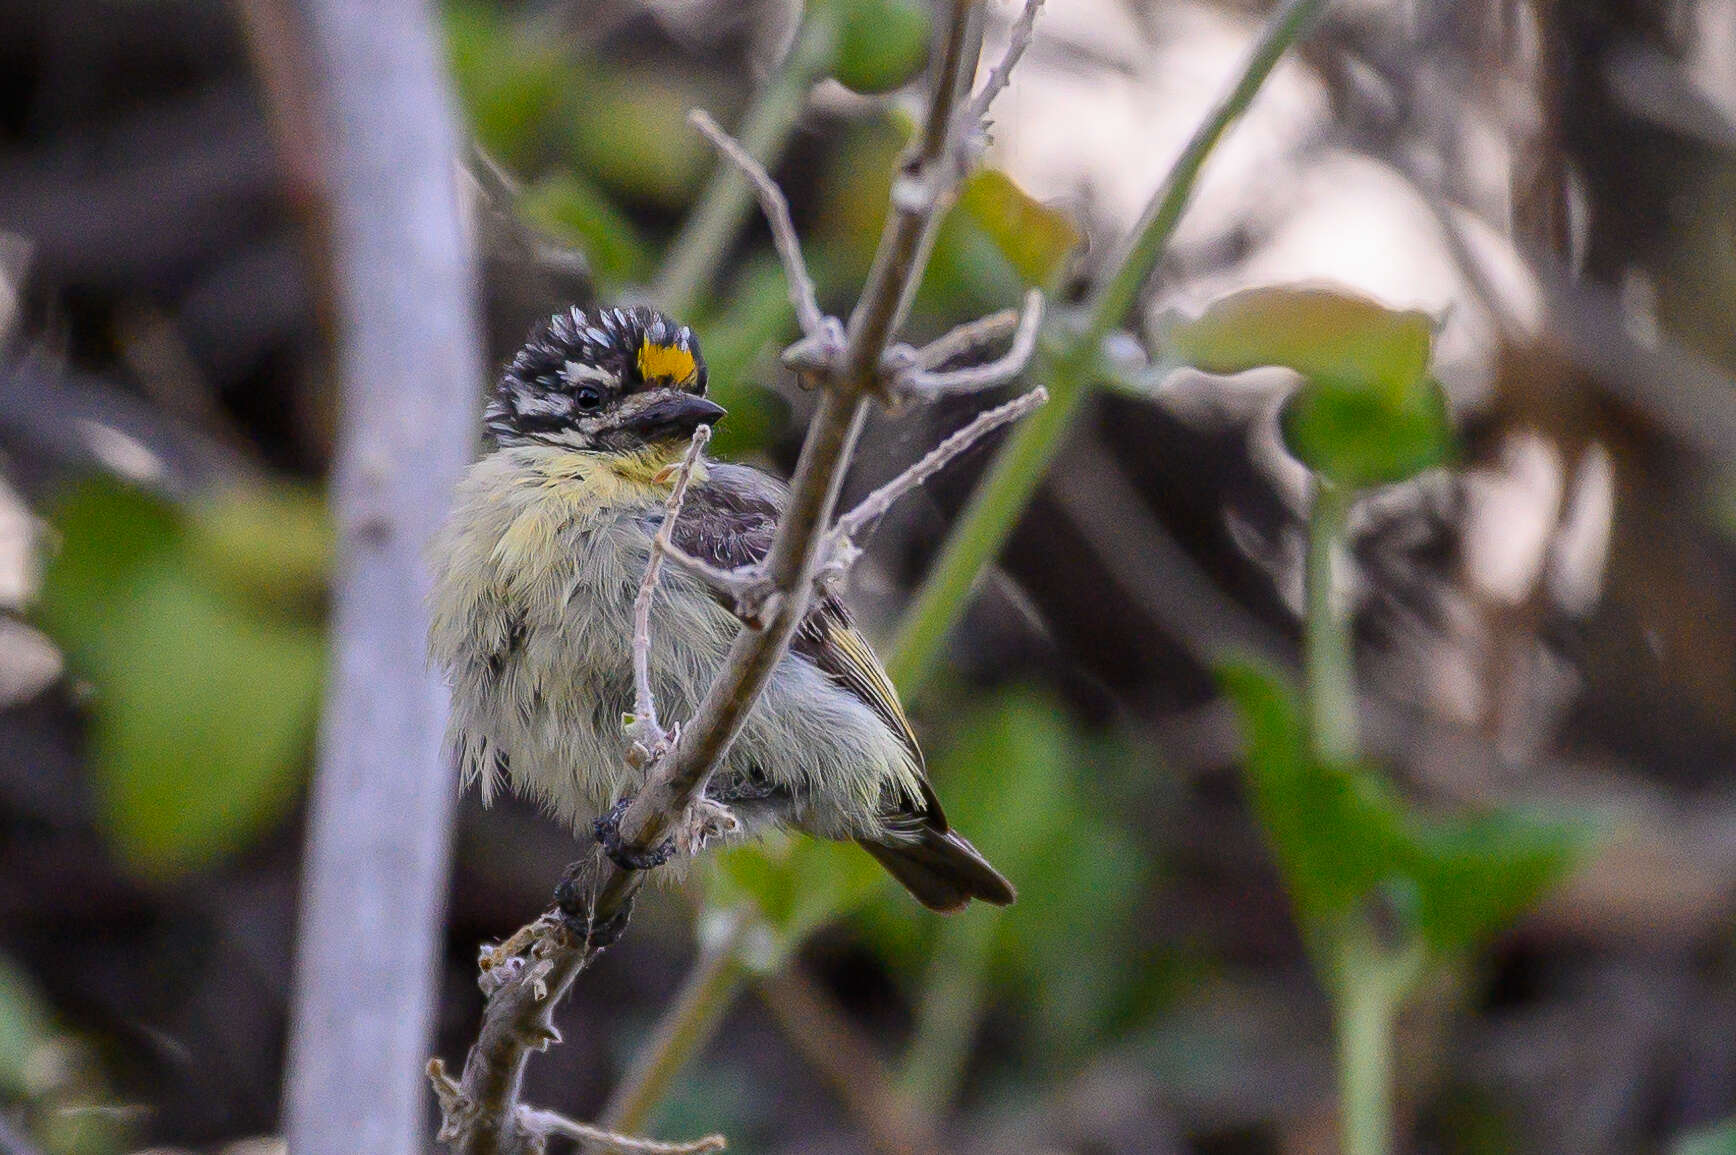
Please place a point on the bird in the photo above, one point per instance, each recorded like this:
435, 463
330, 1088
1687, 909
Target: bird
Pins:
531, 615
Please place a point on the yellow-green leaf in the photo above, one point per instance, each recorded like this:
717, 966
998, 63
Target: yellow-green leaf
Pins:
1320, 332
1034, 238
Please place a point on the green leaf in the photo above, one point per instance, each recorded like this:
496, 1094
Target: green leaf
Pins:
1476, 874
205, 695
1368, 413
1336, 833
882, 44
1319, 332
272, 545
1360, 437
1346, 844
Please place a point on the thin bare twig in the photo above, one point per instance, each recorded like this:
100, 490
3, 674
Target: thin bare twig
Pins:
644, 701
926, 383
1018, 40
777, 210
541, 1122
838, 548
965, 338
739, 584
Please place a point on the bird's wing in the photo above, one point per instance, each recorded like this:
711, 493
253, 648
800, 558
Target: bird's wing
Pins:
729, 521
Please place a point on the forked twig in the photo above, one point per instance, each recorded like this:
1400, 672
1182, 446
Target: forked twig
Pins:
535, 1125
920, 381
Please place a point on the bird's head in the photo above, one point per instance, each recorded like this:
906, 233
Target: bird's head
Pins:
611, 381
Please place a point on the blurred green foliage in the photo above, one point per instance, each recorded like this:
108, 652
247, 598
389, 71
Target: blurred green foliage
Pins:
197, 630
882, 44
1719, 1140
51, 1078
1345, 841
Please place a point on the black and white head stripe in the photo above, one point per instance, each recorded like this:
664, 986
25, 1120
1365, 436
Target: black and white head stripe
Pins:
576, 363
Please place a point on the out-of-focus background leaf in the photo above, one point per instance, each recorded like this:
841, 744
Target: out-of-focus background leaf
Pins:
203, 692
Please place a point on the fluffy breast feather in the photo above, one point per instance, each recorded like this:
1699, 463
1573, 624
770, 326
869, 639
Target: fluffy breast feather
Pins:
535, 576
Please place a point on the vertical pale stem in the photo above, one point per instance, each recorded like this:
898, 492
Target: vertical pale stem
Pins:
1366, 1015
379, 827
1328, 647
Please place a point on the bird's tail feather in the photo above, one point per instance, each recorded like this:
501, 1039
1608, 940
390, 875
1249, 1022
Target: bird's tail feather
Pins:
942, 869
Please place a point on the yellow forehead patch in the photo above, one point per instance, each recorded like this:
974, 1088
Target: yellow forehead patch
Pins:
666, 363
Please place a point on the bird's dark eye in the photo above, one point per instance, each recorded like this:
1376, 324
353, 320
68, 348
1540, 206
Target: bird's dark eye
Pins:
588, 398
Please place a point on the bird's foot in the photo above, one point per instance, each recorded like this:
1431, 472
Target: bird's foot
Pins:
705, 819
608, 831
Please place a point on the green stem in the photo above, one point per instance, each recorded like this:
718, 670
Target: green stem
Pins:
1371, 986
1328, 648
697, 252
1000, 500
1115, 296
1365, 1022
689, 1023
951, 1008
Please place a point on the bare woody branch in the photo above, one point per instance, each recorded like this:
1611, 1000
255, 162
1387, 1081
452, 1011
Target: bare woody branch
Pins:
847, 364
925, 383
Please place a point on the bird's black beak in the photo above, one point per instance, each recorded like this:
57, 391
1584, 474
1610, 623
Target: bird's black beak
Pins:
677, 415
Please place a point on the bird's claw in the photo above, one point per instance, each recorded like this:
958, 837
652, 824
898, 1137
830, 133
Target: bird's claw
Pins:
705, 819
